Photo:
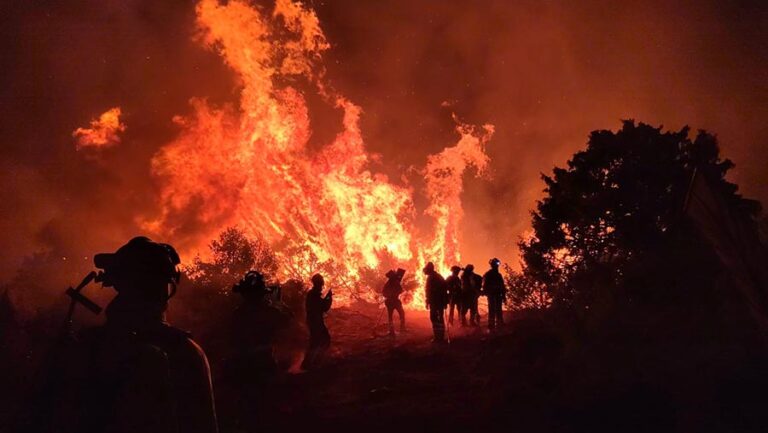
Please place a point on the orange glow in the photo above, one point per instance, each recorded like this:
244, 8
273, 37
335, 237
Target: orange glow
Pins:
103, 132
250, 166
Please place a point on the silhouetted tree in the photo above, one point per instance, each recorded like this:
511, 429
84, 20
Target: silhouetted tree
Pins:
610, 226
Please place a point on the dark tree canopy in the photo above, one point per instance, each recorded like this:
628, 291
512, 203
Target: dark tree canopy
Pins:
611, 222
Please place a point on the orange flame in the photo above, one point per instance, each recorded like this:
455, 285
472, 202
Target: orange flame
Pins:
249, 165
103, 132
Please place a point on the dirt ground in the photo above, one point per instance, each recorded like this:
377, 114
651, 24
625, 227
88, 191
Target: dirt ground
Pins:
536, 373
374, 381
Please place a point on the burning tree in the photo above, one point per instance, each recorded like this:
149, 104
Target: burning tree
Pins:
249, 163
232, 255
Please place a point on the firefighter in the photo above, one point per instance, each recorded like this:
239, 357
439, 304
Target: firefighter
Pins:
256, 323
391, 291
319, 337
470, 292
453, 283
136, 372
437, 299
495, 291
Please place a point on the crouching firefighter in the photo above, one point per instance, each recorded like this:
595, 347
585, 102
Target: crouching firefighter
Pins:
437, 299
136, 373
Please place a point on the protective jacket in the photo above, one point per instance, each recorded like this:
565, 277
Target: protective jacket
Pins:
436, 291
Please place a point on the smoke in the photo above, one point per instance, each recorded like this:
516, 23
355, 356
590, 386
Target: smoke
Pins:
543, 73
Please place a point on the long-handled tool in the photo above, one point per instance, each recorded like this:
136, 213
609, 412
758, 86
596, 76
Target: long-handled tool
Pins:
376, 324
447, 325
79, 298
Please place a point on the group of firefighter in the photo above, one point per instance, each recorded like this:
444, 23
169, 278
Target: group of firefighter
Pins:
112, 369
445, 296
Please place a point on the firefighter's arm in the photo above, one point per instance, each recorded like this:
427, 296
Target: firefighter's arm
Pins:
328, 301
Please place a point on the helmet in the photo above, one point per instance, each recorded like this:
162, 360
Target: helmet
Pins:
252, 282
318, 280
469, 268
494, 262
455, 268
430, 267
140, 260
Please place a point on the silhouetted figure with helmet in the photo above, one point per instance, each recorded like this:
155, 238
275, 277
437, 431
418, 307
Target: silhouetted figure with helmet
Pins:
137, 373
319, 337
437, 299
453, 283
256, 323
495, 291
391, 292
471, 283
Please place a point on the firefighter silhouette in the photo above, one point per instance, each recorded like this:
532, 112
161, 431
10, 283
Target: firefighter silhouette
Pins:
471, 284
391, 292
136, 372
319, 337
453, 283
437, 299
495, 291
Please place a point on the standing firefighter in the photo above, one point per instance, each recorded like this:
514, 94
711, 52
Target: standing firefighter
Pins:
257, 321
437, 299
391, 291
319, 337
470, 292
453, 283
136, 373
493, 288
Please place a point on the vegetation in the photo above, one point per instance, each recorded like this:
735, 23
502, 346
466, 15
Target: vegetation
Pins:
610, 229
232, 255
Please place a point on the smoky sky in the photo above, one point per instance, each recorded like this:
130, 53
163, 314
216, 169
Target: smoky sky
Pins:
545, 73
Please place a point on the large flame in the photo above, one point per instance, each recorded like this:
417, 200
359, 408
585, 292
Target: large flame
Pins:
249, 165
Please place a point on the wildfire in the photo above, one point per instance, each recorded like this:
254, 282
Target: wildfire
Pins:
249, 164
103, 132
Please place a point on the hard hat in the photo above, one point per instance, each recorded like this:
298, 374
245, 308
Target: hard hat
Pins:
139, 259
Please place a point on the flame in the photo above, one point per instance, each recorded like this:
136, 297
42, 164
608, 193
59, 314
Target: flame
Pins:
103, 132
249, 164
443, 175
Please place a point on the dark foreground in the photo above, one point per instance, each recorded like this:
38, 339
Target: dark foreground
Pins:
529, 376
540, 372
